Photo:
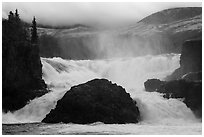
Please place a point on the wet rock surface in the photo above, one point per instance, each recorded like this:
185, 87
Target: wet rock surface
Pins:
94, 101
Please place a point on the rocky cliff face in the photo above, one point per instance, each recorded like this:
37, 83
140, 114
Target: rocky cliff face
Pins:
21, 67
97, 100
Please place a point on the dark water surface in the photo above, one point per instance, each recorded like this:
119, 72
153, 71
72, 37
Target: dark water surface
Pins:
101, 129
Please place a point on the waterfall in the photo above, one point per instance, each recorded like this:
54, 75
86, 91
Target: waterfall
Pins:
131, 73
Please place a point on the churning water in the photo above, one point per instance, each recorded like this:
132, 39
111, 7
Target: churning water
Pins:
159, 115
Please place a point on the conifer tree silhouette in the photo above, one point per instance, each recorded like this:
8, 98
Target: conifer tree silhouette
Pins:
34, 36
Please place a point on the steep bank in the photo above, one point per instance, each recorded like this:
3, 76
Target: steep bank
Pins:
21, 66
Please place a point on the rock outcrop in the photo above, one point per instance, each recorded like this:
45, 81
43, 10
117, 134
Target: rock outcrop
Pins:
186, 81
190, 60
191, 56
21, 66
152, 85
190, 91
96, 100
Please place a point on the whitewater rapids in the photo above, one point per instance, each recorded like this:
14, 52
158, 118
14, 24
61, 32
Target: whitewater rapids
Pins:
131, 73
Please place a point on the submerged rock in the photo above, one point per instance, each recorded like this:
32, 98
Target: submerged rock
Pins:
94, 101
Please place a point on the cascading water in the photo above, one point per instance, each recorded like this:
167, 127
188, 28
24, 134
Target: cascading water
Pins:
130, 73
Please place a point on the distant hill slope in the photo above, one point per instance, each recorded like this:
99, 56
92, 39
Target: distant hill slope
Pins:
171, 15
159, 33
168, 37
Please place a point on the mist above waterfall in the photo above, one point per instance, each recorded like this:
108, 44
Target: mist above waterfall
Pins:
111, 45
103, 44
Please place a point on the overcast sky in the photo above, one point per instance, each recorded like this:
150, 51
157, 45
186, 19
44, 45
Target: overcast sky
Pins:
88, 13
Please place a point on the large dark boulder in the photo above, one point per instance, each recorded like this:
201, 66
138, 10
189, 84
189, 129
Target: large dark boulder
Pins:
190, 60
96, 100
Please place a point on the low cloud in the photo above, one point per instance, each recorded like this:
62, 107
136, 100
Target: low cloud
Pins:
105, 14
